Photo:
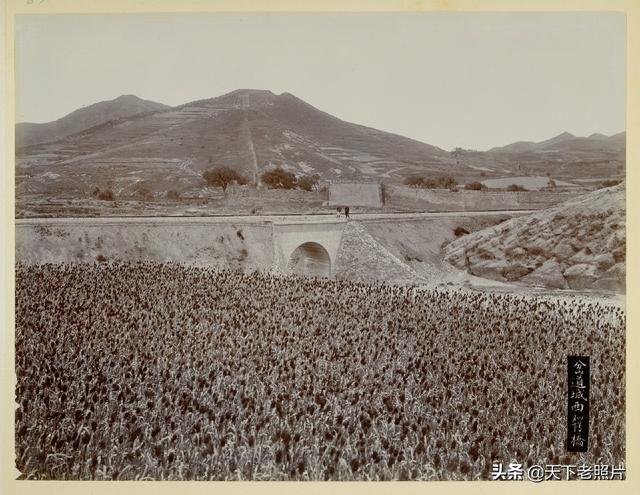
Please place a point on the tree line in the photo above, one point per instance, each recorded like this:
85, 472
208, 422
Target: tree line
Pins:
223, 177
276, 178
447, 182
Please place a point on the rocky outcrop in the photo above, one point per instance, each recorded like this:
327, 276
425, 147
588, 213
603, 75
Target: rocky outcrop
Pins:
580, 245
581, 276
548, 275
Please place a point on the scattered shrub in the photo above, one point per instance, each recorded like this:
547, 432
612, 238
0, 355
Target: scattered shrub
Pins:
431, 182
223, 177
173, 195
516, 188
279, 178
474, 186
142, 191
308, 182
106, 195
610, 183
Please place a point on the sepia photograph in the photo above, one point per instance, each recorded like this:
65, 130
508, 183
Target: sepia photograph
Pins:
320, 246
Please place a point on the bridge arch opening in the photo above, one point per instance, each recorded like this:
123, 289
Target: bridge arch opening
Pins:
310, 259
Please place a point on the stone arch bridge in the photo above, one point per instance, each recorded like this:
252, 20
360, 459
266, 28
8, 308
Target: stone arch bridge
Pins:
302, 244
309, 248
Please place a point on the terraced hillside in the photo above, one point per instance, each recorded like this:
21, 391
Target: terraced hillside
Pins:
249, 130
583, 158
580, 244
128, 142
28, 134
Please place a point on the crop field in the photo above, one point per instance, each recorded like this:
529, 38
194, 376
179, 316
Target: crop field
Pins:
161, 371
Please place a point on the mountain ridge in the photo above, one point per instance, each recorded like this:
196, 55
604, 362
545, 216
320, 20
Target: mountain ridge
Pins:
253, 130
560, 138
267, 97
83, 118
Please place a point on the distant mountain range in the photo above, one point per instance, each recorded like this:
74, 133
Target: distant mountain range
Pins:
567, 142
125, 141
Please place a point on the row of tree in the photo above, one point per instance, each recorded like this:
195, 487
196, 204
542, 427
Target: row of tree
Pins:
223, 177
142, 192
446, 182
277, 178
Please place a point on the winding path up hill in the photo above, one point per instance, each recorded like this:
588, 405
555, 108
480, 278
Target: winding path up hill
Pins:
580, 244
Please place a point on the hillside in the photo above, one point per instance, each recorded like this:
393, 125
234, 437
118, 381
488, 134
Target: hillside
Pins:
580, 244
129, 141
28, 134
566, 142
250, 130
567, 156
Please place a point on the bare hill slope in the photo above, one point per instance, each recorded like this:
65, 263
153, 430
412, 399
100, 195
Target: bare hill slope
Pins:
580, 244
566, 142
128, 141
566, 156
249, 130
28, 134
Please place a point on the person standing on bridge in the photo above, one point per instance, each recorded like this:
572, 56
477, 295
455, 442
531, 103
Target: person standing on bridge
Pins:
346, 212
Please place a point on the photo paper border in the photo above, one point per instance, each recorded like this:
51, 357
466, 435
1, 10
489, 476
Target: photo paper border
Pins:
10, 8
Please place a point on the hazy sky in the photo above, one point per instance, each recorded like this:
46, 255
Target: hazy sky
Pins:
474, 80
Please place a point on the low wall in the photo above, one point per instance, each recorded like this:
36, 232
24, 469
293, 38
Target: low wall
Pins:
199, 242
375, 249
266, 193
441, 200
355, 194
379, 250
